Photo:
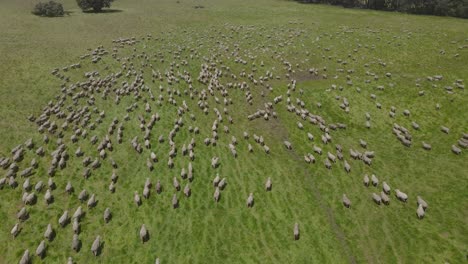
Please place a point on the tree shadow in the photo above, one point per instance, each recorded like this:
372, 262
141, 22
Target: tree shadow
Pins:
104, 11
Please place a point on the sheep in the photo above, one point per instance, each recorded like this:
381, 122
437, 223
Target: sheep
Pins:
287, 144
12, 182
102, 154
463, 143
69, 188
96, 246
421, 202
296, 231
363, 143
64, 219
234, 153
444, 129
250, 200
158, 187
386, 188
190, 171
300, 126
465, 136
317, 150
30, 199
366, 160
346, 201
25, 259
187, 190
48, 197
426, 146
268, 185
420, 212
137, 199
15, 230
144, 234
76, 243
366, 180
26, 172
175, 201
401, 195
456, 150
92, 201
310, 136
353, 154
377, 199
331, 157
95, 164
107, 215
170, 163
40, 251
49, 233
76, 226
217, 194
146, 192
405, 142
83, 195
176, 184
374, 180
86, 173
385, 198
153, 157
324, 139
327, 164
23, 214
78, 213
149, 165
215, 162
51, 184
347, 167
222, 184
267, 149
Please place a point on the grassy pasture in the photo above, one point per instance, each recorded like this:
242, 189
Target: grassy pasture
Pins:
201, 231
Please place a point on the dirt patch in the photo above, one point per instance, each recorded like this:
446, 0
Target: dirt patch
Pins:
303, 76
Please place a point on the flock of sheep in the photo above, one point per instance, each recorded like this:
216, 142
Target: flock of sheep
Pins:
70, 126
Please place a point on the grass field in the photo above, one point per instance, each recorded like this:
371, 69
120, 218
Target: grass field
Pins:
273, 32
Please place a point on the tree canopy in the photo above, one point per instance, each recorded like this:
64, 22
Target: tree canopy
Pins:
456, 8
48, 9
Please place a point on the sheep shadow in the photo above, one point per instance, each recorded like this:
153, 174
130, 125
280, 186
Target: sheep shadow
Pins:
146, 237
104, 11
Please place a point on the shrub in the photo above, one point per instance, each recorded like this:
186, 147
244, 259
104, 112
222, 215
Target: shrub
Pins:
48, 9
96, 5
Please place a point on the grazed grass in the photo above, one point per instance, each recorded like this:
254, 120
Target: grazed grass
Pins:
201, 231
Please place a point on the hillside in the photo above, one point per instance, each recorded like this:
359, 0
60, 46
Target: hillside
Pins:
309, 98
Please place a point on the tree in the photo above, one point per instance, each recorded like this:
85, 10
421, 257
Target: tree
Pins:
49, 9
96, 5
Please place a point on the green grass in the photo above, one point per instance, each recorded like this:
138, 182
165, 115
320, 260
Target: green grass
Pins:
201, 231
